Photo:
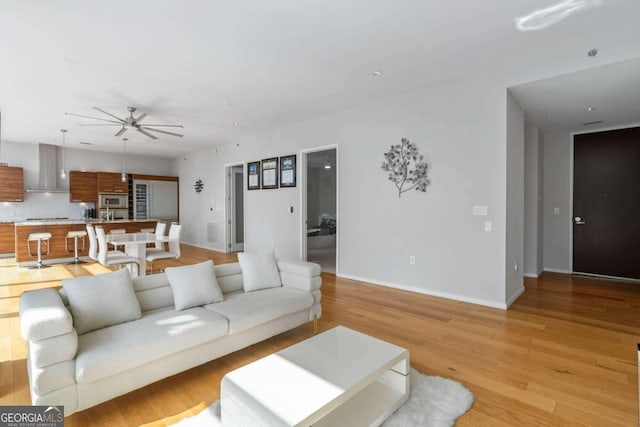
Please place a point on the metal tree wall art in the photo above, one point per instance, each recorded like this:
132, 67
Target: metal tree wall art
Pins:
406, 167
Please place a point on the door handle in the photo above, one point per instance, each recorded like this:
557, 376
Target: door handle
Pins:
579, 221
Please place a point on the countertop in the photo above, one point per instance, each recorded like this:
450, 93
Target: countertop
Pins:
81, 221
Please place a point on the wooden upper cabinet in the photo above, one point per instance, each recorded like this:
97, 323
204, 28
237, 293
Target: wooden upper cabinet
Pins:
109, 182
83, 186
11, 184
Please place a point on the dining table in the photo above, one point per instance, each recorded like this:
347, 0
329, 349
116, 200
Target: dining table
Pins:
135, 245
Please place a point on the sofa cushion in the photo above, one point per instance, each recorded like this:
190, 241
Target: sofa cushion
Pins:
153, 292
246, 310
43, 315
193, 285
259, 271
101, 300
118, 348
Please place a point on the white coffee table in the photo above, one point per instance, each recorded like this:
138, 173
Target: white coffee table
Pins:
338, 378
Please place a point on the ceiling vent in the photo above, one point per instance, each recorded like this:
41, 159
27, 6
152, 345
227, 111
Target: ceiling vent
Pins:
596, 122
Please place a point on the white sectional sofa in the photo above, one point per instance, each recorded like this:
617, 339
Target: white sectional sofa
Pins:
83, 370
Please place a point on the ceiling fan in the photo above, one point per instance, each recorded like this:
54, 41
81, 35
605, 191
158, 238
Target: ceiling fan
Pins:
129, 123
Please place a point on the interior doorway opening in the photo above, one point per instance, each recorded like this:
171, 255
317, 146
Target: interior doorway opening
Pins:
320, 235
234, 175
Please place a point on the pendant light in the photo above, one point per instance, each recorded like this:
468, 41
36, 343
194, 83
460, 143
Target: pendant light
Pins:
123, 177
63, 173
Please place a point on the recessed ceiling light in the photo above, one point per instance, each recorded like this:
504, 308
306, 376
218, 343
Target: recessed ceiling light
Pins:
592, 52
236, 124
377, 73
591, 108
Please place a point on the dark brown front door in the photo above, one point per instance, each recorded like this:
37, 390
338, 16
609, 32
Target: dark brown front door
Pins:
606, 203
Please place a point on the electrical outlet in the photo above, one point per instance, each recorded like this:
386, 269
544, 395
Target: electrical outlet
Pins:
412, 260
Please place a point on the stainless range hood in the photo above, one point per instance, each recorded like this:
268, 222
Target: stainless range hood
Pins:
47, 171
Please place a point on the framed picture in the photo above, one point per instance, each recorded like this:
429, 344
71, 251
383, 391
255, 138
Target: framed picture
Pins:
253, 176
270, 173
288, 171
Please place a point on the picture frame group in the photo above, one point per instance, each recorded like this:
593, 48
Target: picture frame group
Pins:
271, 173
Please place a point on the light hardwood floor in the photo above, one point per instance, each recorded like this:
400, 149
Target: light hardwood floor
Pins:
563, 354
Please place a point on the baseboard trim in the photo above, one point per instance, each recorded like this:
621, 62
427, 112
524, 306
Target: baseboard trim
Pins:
532, 275
558, 270
202, 247
429, 292
515, 296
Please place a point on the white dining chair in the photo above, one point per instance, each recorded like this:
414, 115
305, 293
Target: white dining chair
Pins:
174, 246
93, 245
119, 260
159, 246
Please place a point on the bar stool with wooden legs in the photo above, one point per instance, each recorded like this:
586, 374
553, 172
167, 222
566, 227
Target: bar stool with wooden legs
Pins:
75, 235
40, 238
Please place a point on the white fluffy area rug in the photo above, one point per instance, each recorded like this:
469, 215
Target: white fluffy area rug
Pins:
433, 402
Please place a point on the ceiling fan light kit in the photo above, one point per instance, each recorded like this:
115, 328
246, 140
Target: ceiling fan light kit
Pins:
130, 122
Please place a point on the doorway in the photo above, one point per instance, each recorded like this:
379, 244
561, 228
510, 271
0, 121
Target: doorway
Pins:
320, 208
606, 202
235, 207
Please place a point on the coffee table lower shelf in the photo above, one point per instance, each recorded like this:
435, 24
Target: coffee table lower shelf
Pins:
339, 378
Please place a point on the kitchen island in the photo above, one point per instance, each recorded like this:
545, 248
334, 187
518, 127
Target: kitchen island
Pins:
59, 228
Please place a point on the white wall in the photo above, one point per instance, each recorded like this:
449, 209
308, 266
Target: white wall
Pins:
533, 224
557, 194
515, 200
40, 205
459, 126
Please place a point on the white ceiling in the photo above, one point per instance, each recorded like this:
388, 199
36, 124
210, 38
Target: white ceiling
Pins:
262, 64
562, 103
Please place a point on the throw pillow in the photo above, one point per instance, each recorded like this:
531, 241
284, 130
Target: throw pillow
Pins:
259, 271
194, 285
102, 300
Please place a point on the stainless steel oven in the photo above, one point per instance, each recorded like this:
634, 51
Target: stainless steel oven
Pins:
113, 201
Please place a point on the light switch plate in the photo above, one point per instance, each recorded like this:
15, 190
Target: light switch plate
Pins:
556, 211
488, 226
481, 210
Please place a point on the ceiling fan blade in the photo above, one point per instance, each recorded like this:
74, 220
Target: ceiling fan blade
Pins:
108, 114
142, 116
100, 124
121, 131
162, 131
166, 126
142, 131
94, 118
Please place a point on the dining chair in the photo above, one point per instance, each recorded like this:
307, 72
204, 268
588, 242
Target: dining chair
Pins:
119, 260
93, 245
174, 246
159, 246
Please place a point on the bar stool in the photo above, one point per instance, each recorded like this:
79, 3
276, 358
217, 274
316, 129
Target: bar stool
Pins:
75, 235
117, 231
148, 230
38, 237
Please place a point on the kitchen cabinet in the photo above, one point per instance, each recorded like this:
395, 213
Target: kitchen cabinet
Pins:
83, 186
11, 184
7, 239
109, 182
